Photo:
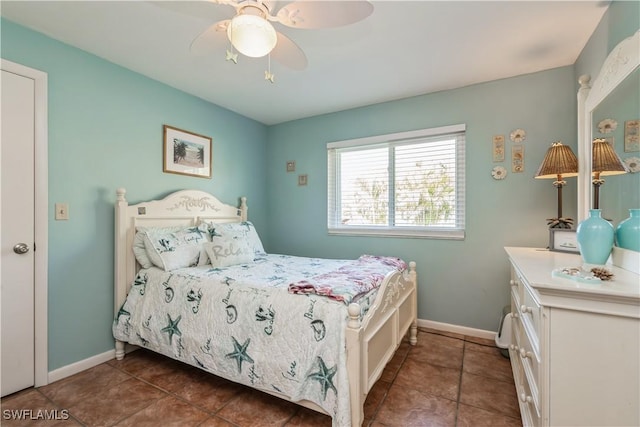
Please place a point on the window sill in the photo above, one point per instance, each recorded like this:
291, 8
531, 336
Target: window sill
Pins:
398, 232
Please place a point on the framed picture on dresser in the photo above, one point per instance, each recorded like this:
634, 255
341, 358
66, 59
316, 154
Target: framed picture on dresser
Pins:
563, 240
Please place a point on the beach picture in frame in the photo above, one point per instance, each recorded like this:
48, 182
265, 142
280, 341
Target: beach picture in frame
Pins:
186, 153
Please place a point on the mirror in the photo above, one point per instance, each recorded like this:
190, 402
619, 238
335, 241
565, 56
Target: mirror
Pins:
614, 94
619, 193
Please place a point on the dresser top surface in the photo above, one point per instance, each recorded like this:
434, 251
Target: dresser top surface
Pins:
538, 264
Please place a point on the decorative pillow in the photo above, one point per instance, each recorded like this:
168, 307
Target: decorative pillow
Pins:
225, 252
238, 230
139, 249
172, 249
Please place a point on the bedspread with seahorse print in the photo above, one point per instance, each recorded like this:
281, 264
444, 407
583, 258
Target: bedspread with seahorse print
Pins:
241, 323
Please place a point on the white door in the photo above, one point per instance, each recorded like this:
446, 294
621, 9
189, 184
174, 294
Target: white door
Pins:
17, 233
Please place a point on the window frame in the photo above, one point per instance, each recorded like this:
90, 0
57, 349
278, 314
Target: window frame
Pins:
434, 232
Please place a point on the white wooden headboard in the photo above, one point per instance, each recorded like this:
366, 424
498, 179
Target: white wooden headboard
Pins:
187, 207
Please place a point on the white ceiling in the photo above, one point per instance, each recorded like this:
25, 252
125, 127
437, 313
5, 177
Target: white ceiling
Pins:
405, 48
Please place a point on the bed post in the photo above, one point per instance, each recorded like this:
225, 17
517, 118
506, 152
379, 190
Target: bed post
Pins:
243, 208
354, 364
120, 274
413, 336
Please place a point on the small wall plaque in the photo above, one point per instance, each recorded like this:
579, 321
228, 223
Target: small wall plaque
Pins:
498, 148
517, 158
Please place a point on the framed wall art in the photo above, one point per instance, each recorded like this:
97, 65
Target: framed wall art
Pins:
498, 148
186, 153
517, 158
631, 136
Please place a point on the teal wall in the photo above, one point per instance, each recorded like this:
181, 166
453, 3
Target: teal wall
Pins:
105, 131
460, 282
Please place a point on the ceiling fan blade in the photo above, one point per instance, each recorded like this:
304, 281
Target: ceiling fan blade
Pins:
211, 40
323, 14
289, 54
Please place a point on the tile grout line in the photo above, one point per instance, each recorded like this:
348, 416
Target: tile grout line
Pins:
173, 394
386, 393
167, 393
455, 415
57, 405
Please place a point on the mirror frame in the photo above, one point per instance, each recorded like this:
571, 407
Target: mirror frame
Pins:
623, 60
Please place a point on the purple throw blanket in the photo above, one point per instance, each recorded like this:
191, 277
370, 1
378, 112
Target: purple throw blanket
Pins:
347, 282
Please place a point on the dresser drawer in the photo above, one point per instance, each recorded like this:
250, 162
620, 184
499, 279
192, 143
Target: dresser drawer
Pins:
529, 411
530, 362
528, 309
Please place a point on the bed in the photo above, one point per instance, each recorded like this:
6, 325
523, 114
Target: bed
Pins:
320, 349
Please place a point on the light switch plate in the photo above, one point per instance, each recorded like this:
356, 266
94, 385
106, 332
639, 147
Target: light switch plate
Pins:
62, 211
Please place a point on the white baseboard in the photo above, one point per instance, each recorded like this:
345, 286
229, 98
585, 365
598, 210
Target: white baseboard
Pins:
81, 365
463, 330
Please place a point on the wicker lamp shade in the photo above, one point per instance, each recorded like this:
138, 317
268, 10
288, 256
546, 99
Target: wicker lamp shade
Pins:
559, 160
605, 159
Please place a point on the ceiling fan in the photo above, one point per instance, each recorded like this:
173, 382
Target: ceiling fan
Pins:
251, 33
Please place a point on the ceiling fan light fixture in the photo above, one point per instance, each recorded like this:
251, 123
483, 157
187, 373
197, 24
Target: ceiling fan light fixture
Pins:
252, 35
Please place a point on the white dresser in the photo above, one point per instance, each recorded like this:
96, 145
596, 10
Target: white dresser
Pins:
575, 347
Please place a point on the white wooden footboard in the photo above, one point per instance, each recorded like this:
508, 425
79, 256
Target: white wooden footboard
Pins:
371, 342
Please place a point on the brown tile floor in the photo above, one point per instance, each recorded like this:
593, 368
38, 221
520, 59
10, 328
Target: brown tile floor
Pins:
445, 380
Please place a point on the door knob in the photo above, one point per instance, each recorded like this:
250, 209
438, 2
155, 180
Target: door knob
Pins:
21, 248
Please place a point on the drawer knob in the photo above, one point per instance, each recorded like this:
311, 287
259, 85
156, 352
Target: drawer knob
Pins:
525, 354
515, 315
525, 398
525, 309
512, 282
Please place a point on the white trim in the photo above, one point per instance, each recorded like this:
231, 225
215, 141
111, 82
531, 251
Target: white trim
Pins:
81, 365
463, 330
410, 232
41, 229
399, 136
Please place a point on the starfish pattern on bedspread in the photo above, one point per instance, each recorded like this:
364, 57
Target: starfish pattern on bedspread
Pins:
172, 328
240, 353
325, 377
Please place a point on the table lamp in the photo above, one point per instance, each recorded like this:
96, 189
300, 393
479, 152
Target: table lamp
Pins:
559, 162
605, 161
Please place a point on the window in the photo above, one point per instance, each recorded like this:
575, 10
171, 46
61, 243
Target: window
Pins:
404, 184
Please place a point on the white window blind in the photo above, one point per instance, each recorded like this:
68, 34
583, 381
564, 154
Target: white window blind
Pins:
403, 184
